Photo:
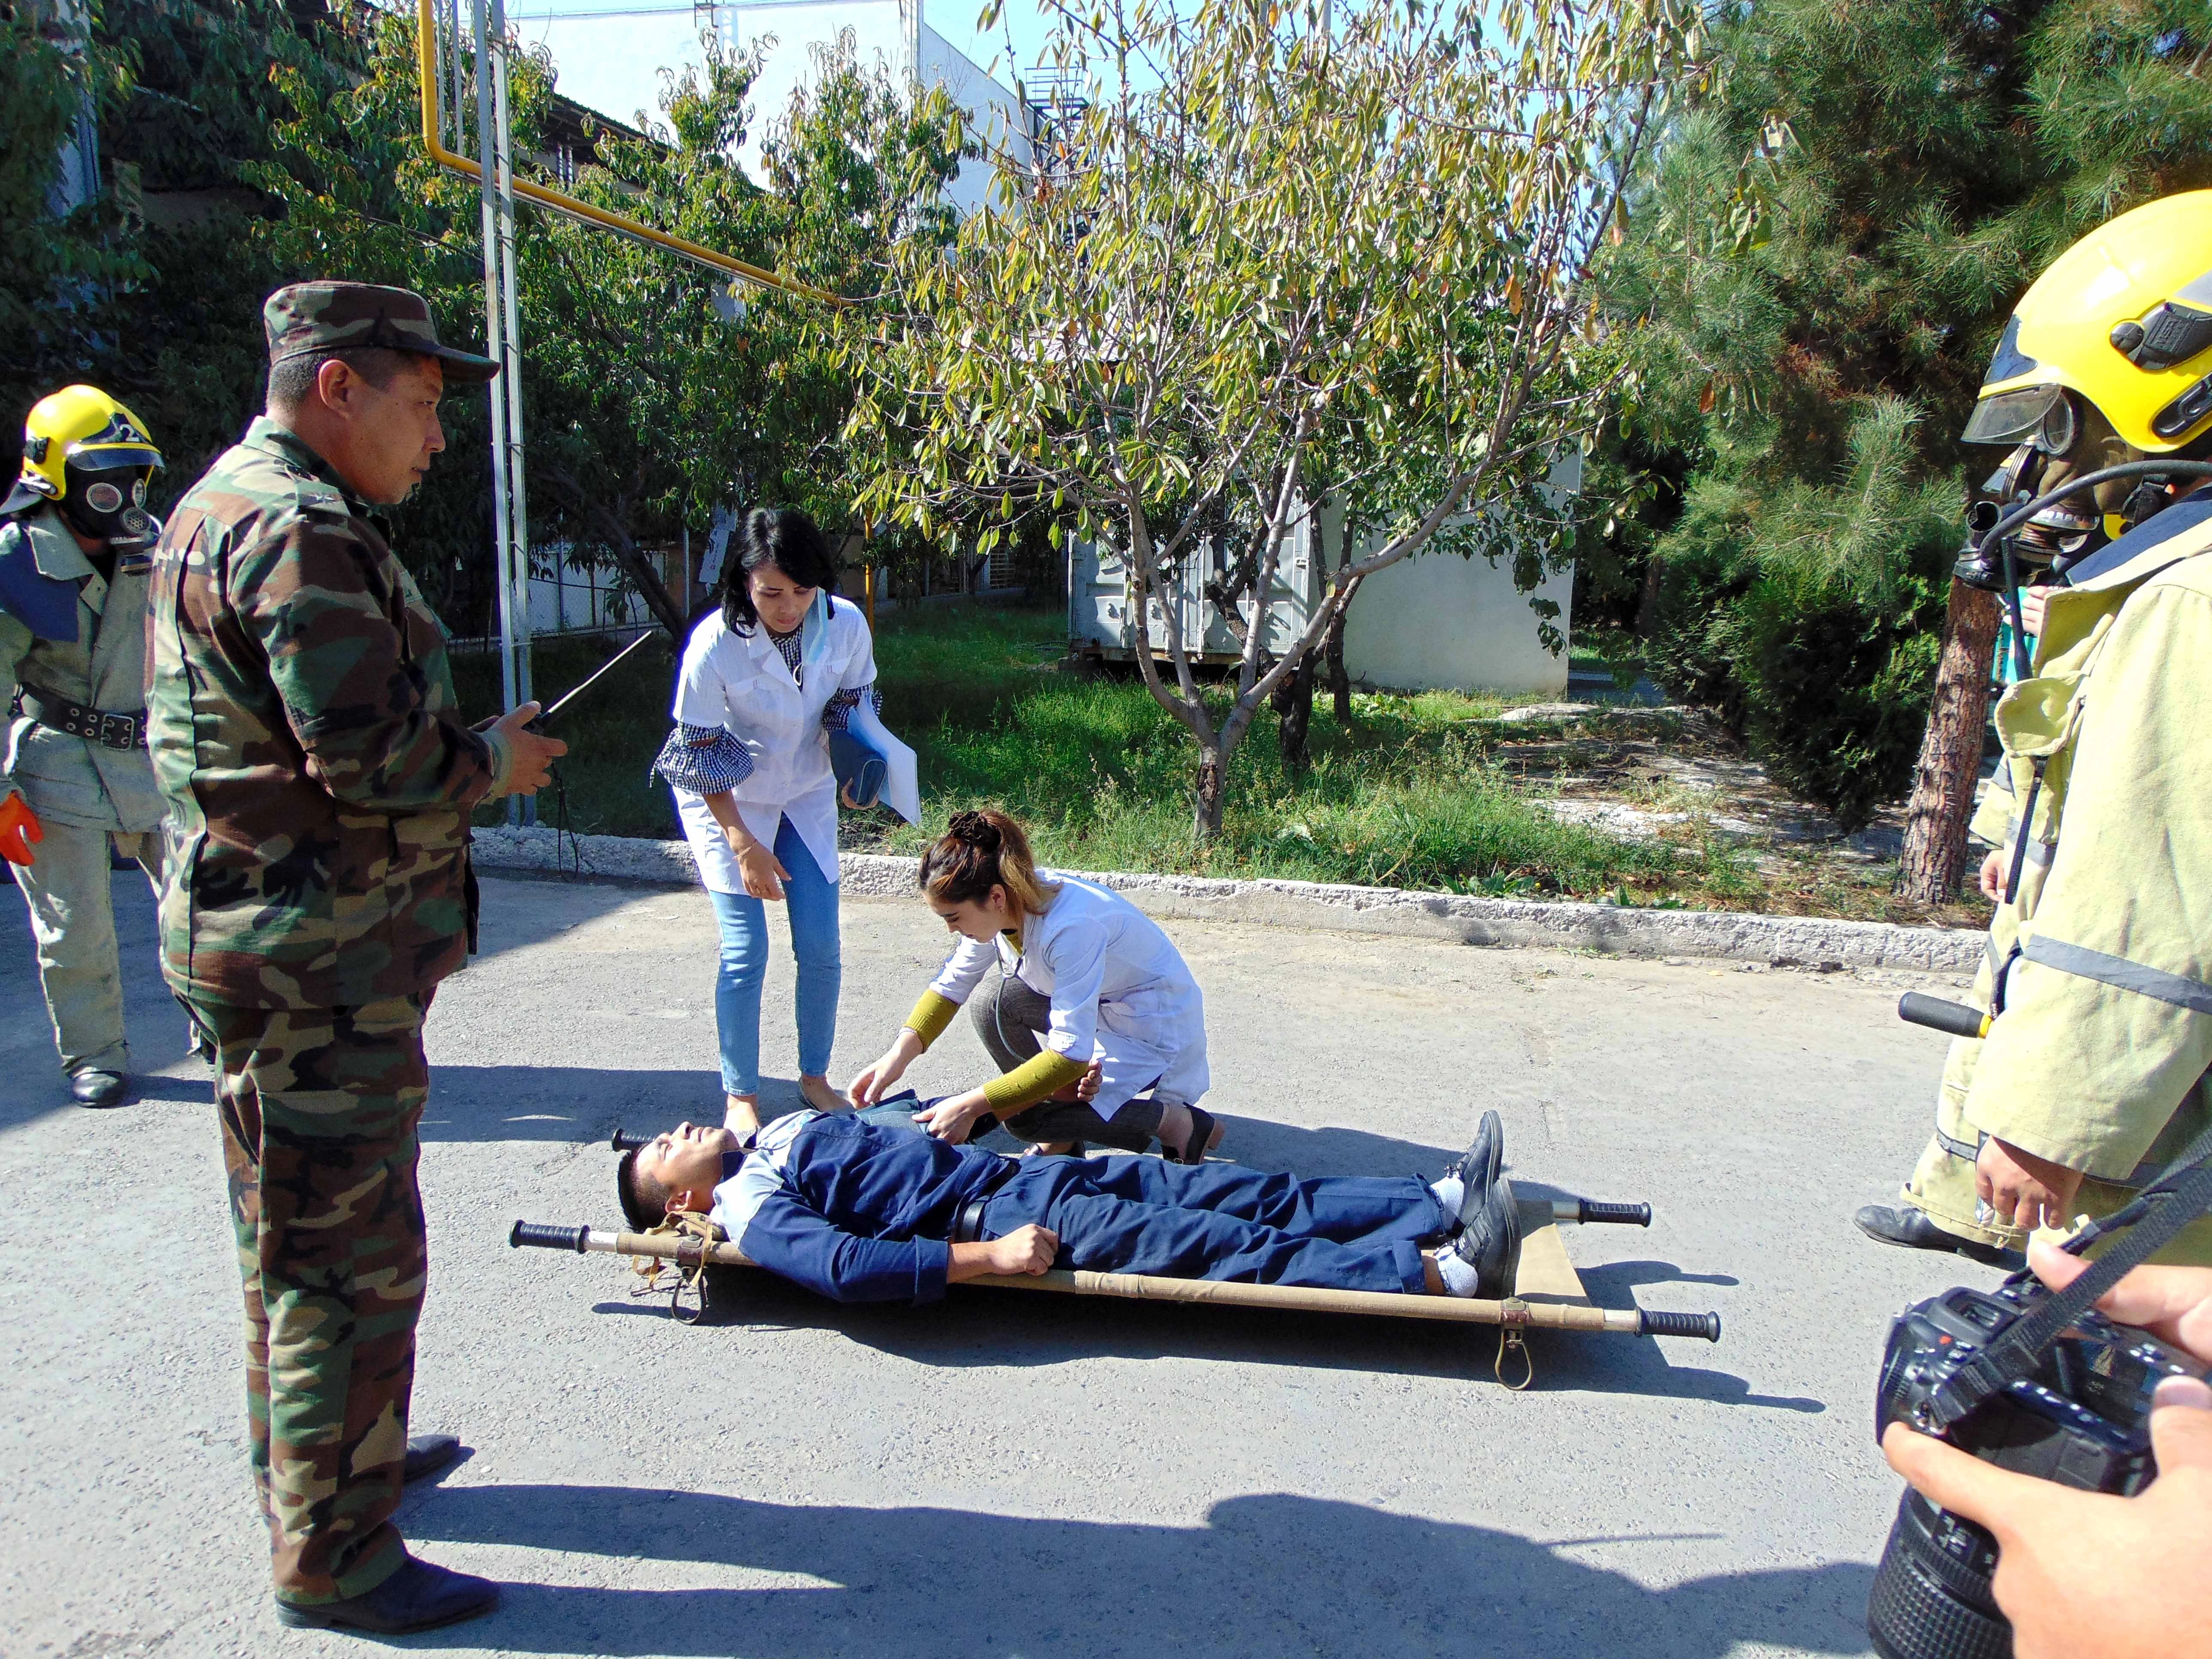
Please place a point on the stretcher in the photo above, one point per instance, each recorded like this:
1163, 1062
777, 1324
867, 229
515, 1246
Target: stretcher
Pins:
1547, 1293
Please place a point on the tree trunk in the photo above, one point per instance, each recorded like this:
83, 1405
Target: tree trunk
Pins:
1293, 699
1212, 794
1934, 860
1340, 682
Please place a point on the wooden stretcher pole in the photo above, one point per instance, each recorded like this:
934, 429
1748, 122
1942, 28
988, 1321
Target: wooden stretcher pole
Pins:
1460, 1311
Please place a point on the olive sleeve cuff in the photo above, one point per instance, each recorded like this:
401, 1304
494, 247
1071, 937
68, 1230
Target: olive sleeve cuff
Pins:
1040, 1075
931, 1015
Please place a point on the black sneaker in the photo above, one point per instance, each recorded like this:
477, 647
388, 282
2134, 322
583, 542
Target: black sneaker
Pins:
1912, 1229
1490, 1244
1477, 1169
418, 1597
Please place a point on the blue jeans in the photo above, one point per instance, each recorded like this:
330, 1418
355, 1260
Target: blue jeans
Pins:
812, 902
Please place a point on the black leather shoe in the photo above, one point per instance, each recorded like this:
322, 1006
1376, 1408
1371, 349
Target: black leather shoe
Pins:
98, 1089
426, 1455
418, 1597
1490, 1244
1916, 1229
1477, 1169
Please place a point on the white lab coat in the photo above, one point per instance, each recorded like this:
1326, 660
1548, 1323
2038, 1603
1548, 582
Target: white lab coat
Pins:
1121, 992
740, 683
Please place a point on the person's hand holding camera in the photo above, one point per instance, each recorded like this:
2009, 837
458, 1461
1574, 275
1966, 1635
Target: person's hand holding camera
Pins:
2083, 1575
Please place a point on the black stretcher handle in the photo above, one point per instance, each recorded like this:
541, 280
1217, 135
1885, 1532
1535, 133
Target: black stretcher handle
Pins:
1623, 1215
1937, 1015
546, 1236
1707, 1324
621, 1142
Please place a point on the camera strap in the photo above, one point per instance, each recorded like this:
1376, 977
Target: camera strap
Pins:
2150, 1220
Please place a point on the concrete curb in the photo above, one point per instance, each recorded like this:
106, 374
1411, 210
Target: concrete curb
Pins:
1803, 940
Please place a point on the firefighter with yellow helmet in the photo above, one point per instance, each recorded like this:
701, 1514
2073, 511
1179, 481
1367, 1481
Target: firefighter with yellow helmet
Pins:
76, 541
2099, 971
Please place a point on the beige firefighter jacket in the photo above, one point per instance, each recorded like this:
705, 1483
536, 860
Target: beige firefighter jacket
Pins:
66, 779
2102, 961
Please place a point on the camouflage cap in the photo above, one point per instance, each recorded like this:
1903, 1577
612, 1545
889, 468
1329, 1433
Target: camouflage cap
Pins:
313, 317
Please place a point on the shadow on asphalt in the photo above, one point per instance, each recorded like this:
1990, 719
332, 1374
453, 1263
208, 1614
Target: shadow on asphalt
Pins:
1266, 1574
985, 1328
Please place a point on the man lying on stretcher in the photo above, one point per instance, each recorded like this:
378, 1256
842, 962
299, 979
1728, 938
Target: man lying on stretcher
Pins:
864, 1213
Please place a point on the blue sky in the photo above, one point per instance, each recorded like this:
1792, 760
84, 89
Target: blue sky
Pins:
640, 37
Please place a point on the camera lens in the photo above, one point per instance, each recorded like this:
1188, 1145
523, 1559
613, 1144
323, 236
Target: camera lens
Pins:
1931, 1595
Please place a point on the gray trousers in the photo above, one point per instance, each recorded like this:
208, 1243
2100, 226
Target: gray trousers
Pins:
73, 926
1011, 1019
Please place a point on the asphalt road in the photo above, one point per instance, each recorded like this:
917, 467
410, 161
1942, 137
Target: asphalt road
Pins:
1006, 1474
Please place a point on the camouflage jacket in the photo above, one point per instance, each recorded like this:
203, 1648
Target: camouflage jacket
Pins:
299, 712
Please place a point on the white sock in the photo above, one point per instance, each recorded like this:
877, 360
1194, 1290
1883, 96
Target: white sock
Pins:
1450, 1191
1459, 1277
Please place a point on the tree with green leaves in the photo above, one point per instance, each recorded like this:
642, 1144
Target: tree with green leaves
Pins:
1278, 244
1820, 258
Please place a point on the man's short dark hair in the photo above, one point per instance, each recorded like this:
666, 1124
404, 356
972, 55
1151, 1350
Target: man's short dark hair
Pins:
644, 1197
292, 379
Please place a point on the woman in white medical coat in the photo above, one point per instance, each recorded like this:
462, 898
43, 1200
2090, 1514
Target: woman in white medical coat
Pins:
1096, 1023
765, 677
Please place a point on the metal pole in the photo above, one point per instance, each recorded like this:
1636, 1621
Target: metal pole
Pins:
510, 379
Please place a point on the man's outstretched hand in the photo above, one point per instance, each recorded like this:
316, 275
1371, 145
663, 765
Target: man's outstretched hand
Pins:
533, 755
2082, 1575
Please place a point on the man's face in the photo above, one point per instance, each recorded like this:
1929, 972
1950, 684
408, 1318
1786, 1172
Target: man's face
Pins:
687, 1159
395, 432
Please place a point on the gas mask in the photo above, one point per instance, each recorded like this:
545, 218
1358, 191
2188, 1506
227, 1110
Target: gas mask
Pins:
109, 505
2064, 437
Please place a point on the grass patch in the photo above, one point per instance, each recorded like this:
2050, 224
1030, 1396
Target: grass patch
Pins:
1406, 796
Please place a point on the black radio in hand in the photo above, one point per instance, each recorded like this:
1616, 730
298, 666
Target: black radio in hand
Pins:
2079, 1417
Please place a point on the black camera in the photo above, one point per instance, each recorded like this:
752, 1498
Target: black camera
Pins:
2081, 1418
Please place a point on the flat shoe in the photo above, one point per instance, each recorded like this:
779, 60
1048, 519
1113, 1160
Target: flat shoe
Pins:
99, 1089
1492, 1242
1914, 1228
1478, 1166
426, 1455
418, 1597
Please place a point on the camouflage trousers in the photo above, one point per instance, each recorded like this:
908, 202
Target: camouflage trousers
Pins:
318, 1110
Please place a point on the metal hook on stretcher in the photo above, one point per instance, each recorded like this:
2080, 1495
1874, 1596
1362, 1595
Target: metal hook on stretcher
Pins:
1542, 1314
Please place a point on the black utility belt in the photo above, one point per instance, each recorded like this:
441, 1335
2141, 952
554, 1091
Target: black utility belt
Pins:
76, 720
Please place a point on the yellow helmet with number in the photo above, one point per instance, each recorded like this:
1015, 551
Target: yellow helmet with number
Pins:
90, 457
81, 429
2123, 319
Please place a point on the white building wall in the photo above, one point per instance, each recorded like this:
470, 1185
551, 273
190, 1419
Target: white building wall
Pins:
790, 29
612, 64
1440, 621
1001, 122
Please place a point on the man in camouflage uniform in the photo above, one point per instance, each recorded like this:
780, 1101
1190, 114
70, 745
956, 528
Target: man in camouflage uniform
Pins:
319, 784
74, 778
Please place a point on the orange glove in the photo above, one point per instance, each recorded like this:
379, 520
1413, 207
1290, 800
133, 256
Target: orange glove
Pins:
19, 827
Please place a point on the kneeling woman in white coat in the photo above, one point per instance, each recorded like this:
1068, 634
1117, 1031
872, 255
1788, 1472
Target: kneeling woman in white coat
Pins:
783, 662
1096, 1023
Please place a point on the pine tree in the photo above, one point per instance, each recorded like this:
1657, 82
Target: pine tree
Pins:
1826, 251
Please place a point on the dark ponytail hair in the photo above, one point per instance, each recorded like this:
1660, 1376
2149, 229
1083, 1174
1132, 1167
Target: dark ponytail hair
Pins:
782, 537
980, 850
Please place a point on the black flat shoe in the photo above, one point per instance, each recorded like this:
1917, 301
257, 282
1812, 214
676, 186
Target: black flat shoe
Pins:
1916, 1229
426, 1455
418, 1597
99, 1089
1477, 1169
1204, 1135
1491, 1243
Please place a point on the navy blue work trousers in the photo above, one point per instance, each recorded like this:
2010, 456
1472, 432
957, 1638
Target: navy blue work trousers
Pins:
1144, 1215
